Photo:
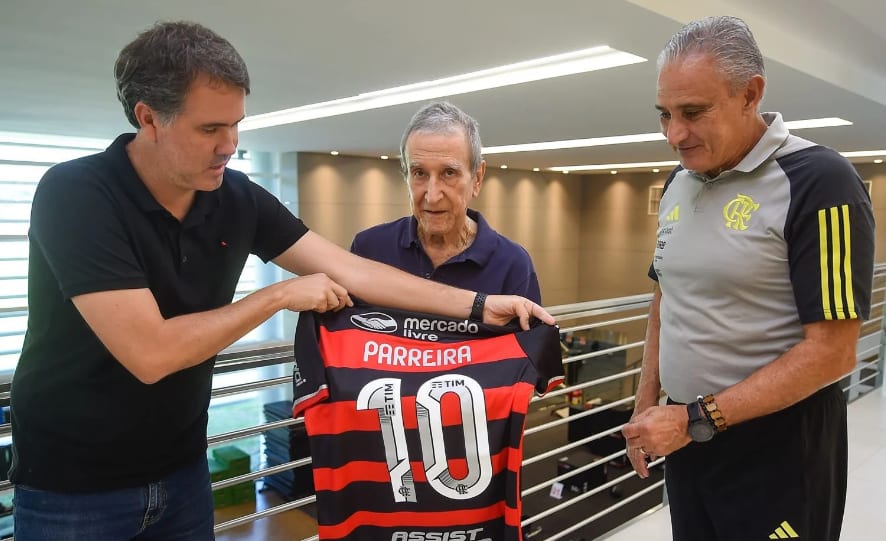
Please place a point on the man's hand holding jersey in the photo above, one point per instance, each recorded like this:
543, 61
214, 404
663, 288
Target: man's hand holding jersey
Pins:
500, 309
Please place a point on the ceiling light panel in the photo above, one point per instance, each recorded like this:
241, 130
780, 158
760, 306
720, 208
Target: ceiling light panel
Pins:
611, 166
863, 153
641, 138
582, 61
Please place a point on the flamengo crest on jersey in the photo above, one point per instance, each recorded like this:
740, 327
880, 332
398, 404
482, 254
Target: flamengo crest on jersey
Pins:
414, 419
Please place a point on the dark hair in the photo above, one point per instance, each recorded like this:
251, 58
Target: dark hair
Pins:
159, 66
727, 39
443, 117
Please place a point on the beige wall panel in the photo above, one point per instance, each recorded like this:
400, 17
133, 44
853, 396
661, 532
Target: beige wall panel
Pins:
339, 195
876, 173
618, 233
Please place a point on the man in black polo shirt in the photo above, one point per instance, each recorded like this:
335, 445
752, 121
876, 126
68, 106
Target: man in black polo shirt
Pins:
135, 255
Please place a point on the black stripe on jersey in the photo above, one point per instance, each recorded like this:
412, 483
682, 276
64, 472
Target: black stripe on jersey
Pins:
378, 497
511, 481
517, 424
340, 449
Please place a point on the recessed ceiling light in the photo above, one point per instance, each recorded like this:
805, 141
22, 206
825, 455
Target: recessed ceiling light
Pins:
640, 165
641, 138
565, 172
504, 166
585, 60
878, 161
576, 143
334, 153
536, 169
610, 166
863, 153
613, 172
383, 157
828, 122
656, 170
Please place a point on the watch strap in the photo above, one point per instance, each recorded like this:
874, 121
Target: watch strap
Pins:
477, 307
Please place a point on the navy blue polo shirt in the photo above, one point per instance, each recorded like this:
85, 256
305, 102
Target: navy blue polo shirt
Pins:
81, 421
492, 263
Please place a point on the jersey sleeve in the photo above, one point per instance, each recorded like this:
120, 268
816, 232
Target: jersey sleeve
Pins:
541, 344
309, 386
77, 226
830, 234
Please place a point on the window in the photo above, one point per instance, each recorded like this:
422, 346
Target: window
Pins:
24, 158
655, 193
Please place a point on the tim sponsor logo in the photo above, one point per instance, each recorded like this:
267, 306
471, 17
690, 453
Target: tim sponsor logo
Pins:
375, 321
451, 535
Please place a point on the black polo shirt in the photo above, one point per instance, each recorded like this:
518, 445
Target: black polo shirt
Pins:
81, 421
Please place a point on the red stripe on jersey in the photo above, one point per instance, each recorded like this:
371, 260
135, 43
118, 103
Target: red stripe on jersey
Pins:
354, 348
377, 472
352, 472
426, 519
520, 393
513, 517
515, 460
459, 466
341, 417
450, 409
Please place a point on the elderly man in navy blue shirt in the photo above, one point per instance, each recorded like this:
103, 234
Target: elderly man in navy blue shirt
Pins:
444, 240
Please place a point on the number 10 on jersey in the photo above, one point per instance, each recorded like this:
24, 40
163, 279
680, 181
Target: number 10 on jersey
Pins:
383, 396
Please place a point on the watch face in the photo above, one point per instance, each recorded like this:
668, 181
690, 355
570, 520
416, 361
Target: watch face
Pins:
701, 431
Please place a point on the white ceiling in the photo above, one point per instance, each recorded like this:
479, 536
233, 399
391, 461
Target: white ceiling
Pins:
824, 58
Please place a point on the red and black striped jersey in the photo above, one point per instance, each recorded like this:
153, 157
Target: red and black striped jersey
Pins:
415, 421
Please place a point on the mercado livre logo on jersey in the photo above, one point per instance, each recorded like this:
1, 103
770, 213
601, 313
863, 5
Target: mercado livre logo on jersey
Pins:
427, 329
375, 321
419, 328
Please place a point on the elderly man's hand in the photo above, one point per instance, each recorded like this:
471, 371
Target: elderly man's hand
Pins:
500, 309
654, 432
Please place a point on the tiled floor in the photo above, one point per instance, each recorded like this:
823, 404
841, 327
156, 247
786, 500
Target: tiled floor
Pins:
865, 519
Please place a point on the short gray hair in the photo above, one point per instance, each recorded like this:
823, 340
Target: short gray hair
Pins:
728, 40
443, 117
158, 67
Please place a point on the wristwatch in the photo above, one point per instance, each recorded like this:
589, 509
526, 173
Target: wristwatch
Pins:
700, 429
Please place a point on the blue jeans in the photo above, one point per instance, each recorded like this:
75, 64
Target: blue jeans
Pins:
177, 507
